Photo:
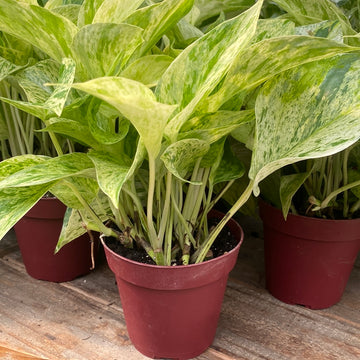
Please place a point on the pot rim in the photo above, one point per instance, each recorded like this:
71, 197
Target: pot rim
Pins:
102, 236
233, 226
308, 218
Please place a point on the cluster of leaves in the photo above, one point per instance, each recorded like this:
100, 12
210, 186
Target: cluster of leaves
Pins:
156, 91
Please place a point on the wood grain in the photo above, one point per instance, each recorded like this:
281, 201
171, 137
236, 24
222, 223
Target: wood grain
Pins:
83, 319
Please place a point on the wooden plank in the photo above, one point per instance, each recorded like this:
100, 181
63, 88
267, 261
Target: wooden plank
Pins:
83, 319
59, 323
10, 354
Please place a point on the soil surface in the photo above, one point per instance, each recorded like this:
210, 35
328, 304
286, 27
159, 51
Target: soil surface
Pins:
224, 243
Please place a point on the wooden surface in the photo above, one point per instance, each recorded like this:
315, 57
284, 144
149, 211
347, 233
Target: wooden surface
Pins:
83, 319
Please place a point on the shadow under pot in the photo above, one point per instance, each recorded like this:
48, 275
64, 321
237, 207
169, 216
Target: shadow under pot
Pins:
308, 260
37, 234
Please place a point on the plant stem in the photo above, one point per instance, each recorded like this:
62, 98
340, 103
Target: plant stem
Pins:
102, 228
345, 181
326, 201
200, 255
156, 245
165, 213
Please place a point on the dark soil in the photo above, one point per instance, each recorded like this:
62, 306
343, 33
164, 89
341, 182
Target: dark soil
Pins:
224, 243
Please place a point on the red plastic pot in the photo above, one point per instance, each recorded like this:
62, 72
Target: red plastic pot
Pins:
308, 261
172, 311
37, 234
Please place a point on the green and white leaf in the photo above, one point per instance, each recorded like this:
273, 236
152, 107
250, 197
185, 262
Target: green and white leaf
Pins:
267, 58
212, 127
111, 173
156, 20
180, 157
137, 103
44, 101
147, 69
105, 123
87, 12
32, 80
327, 29
7, 68
198, 69
104, 49
73, 130
306, 12
73, 225
70, 11
228, 168
272, 28
87, 188
210, 8
49, 32
115, 11
16, 202
289, 185
51, 170
16, 163
56, 102
306, 113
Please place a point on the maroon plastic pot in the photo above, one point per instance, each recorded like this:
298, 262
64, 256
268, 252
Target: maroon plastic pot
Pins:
172, 312
37, 234
308, 261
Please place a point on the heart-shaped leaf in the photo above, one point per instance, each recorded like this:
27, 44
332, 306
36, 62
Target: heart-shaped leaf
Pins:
306, 113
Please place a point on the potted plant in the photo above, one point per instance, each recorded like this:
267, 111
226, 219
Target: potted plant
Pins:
20, 136
154, 185
312, 244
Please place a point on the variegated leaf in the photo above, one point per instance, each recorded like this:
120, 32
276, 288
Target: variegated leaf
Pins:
111, 173
44, 101
180, 157
105, 123
15, 50
137, 103
212, 127
199, 68
86, 187
289, 185
229, 167
306, 113
40, 27
265, 59
271, 28
69, 11
73, 225
326, 29
73, 130
147, 69
51, 170
33, 79
16, 202
33, 109
87, 11
156, 20
104, 49
17, 163
56, 102
7, 68
309, 12
210, 9
114, 11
